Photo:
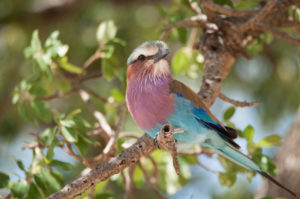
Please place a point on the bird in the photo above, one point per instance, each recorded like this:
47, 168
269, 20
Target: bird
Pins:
154, 98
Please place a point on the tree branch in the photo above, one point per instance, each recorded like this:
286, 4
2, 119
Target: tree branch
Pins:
238, 103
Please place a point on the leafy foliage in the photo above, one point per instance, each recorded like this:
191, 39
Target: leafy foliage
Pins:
53, 76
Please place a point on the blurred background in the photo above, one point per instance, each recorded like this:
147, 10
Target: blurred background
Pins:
271, 76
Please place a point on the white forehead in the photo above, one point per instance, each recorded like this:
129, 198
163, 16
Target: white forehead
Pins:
147, 48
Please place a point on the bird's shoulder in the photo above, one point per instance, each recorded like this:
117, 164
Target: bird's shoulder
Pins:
183, 90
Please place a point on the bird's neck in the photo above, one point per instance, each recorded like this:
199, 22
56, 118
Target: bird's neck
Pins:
146, 78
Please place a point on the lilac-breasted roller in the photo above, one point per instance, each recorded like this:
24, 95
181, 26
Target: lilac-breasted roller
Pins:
154, 99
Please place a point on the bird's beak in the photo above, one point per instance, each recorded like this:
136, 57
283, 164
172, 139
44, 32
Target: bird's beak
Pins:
162, 53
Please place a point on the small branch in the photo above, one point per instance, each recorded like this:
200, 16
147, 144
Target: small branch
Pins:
278, 33
152, 185
92, 192
97, 55
98, 115
295, 22
196, 21
71, 153
259, 17
94, 94
58, 95
128, 157
206, 168
194, 6
128, 181
156, 170
226, 11
165, 136
90, 77
238, 103
130, 135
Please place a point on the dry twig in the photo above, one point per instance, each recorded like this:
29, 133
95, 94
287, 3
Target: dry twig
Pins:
151, 184
238, 103
259, 17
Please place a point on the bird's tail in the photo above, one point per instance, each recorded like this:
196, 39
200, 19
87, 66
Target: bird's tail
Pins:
241, 159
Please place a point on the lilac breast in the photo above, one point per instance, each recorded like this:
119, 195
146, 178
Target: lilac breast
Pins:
149, 101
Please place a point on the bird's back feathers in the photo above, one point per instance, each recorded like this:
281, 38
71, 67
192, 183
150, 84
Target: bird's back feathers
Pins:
210, 122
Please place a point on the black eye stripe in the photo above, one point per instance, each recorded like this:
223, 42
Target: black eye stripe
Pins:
141, 57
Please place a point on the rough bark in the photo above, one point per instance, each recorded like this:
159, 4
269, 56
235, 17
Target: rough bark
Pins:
288, 165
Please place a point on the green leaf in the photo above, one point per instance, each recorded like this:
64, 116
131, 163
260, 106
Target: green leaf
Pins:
108, 67
105, 195
15, 96
19, 188
44, 61
34, 192
25, 111
272, 140
81, 145
41, 110
68, 123
48, 135
20, 165
63, 62
35, 41
50, 152
37, 90
50, 181
61, 164
229, 113
59, 177
227, 179
4, 180
251, 147
180, 61
106, 31
69, 134
108, 51
248, 133
73, 113
117, 95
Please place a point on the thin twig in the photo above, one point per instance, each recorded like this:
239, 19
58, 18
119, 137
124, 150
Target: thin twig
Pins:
196, 21
194, 6
278, 33
90, 77
130, 135
58, 95
295, 22
152, 185
128, 181
97, 55
8, 196
238, 103
70, 152
93, 93
92, 192
206, 168
226, 11
156, 170
259, 17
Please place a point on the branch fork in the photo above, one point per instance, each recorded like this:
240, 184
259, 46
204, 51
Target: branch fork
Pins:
165, 140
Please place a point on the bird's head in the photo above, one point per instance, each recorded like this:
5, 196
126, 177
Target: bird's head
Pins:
150, 56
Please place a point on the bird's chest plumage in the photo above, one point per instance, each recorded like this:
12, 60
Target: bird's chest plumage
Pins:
150, 102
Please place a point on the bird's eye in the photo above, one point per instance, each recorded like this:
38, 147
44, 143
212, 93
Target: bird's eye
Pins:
141, 57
